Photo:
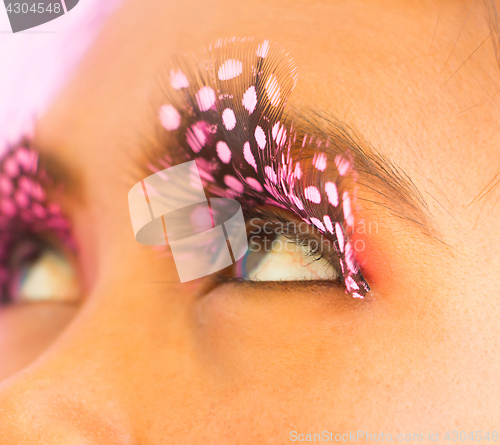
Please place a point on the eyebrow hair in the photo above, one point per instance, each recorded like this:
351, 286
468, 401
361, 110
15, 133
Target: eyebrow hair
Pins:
391, 187
60, 173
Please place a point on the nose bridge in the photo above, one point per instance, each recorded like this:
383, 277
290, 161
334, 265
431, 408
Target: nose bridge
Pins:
86, 383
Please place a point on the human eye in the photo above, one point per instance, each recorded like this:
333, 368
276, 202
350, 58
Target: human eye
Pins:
36, 248
226, 111
284, 248
38, 271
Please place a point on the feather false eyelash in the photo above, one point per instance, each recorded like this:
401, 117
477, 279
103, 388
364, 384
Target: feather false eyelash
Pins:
25, 210
317, 247
227, 111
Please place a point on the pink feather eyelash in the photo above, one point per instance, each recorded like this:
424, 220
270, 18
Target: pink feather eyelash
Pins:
24, 207
226, 110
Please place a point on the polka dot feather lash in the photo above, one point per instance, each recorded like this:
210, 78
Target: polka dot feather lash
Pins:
227, 111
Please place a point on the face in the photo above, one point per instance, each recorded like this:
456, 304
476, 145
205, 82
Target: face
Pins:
135, 356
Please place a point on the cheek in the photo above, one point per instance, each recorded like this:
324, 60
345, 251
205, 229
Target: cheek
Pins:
260, 331
26, 331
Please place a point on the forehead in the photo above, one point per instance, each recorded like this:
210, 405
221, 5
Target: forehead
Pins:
395, 72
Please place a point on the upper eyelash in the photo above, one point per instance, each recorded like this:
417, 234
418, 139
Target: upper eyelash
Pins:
299, 238
259, 155
24, 207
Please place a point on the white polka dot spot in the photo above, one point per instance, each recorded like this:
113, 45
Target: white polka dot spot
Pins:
328, 223
178, 80
223, 152
250, 99
319, 161
273, 90
233, 183
196, 137
252, 182
229, 119
260, 137
205, 97
318, 224
331, 192
169, 117
263, 49
340, 236
279, 134
297, 202
312, 194
247, 153
229, 69
271, 174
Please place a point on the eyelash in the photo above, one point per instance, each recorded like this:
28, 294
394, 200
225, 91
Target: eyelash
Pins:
298, 237
226, 111
25, 212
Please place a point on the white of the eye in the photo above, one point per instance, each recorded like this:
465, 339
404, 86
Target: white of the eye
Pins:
50, 278
287, 261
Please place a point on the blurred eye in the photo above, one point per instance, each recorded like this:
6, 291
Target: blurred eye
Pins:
285, 250
40, 272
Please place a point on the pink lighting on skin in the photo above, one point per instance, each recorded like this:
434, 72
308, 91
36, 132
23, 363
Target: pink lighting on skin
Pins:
26, 92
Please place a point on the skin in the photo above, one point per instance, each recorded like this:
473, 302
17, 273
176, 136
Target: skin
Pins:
152, 363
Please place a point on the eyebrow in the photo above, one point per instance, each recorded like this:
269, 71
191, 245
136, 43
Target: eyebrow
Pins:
391, 187
60, 173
